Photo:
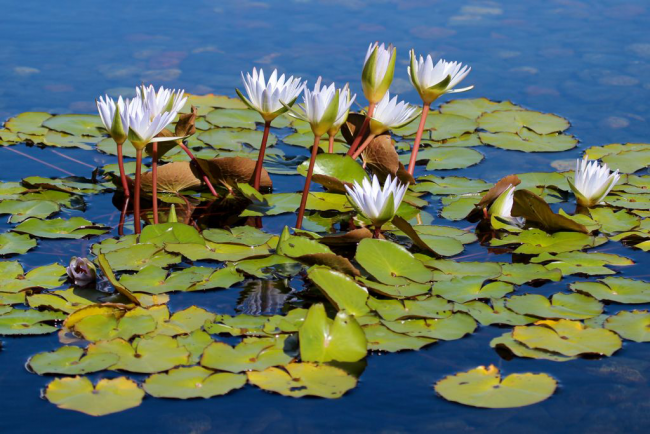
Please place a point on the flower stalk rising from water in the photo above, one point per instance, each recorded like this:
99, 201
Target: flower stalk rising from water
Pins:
388, 114
376, 204
431, 82
376, 78
114, 116
592, 182
82, 271
320, 108
270, 99
149, 114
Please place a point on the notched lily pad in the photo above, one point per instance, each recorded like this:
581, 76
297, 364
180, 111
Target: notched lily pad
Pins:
192, 382
70, 360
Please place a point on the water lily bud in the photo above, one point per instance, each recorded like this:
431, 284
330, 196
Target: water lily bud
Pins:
114, 116
592, 182
82, 271
378, 70
376, 204
502, 208
433, 81
345, 101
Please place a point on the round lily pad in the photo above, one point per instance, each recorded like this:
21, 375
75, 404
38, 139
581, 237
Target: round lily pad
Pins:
520, 350
390, 263
380, 338
561, 306
28, 123
634, 325
77, 125
341, 290
70, 360
233, 139
617, 289
570, 338
473, 108
484, 387
12, 243
513, 121
21, 210
252, 354
304, 379
108, 396
74, 228
529, 141
192, 382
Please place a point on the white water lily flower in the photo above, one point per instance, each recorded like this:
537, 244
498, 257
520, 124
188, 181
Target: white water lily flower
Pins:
267, 98
320, 107
377, 204
82, 271
433, 81
502, 207
592, 182
390, 114
378, 71
115, 117
165, 100
345, 102
151, 112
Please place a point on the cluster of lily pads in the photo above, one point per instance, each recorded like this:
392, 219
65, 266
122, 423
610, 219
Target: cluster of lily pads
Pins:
377, 275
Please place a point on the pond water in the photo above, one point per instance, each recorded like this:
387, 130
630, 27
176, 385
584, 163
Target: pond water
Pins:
587, 61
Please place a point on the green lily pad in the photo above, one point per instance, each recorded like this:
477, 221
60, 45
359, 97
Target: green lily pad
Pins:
409, 290
12, 243
333, 171
170, 233
21, 210
304, 379
28, 123
74, 228
341, 290
239, 325
252, 354
390, 263
324, 340
449, 185
614, 221
182, 322
535, 241
496, 313
570, 338
446, 269
28, 322
483, 387
68, 300
75, 185
153, 280
627, 158
634, 325
108, 396
439, 126
70, 360
393, 310
462, 289
146, 356
13, 278
446, 158
514, 121
458, 207
138, 256
195, 342
77, 125
520, 350
561, 306
233, 118
473, 108
8, 299
63, 140
137, 322
222, 278
234, 139
381, 338
450, 328
582, 262
218, 252
244, 235
192, 382
518, 274
529, 141
617, 289
281, 203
